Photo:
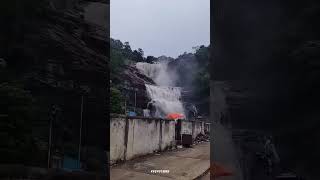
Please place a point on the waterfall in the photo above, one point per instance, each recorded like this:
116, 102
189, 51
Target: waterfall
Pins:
158, 72
146, 113
164, 97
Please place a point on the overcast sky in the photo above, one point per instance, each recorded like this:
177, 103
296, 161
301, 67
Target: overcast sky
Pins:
161, 27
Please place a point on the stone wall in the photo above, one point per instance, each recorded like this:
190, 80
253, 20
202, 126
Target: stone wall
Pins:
143, 137
186, 127
167, 134
197, 128
117, 138
194, 128
132, 137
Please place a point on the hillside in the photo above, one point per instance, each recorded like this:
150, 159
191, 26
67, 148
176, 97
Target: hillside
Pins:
53, 55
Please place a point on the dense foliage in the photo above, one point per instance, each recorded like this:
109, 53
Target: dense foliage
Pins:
17, 113
192, 70
122, 54
193, 74
201, 81
116, 101
41, 66
18, 108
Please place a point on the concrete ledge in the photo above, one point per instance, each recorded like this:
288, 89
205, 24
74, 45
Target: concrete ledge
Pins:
112, 115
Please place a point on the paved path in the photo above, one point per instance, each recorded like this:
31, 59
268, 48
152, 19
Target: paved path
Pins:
184, 164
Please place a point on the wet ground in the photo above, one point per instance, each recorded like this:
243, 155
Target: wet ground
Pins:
183, 164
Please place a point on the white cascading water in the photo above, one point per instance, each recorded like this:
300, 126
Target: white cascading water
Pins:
165, 98
146, 113
157, 72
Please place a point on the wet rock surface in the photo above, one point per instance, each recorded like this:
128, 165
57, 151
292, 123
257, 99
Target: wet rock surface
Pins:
133, 85
135, 77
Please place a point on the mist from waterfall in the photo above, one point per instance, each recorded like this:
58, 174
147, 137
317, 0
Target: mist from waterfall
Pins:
165, 97
158, 72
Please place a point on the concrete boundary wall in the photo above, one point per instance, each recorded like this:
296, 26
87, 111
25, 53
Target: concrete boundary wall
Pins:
132, 137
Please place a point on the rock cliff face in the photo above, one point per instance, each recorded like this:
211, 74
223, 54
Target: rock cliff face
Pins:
133, 87
60, 61
135, 77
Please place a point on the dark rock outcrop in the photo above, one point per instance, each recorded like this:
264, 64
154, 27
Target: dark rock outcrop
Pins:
133, 86
60, 61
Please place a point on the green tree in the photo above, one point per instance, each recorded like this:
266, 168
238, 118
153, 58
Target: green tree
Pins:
202, 55
116, 44
151, 59
141, 52
127, 52
202, 79
116, 64
18, 112
137, 56
116, 101
127, 46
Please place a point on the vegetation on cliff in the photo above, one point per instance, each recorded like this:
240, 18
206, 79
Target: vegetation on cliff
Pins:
50, 58
192, 71
116, 101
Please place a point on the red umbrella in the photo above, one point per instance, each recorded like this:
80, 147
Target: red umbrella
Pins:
175, 116
218, 171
